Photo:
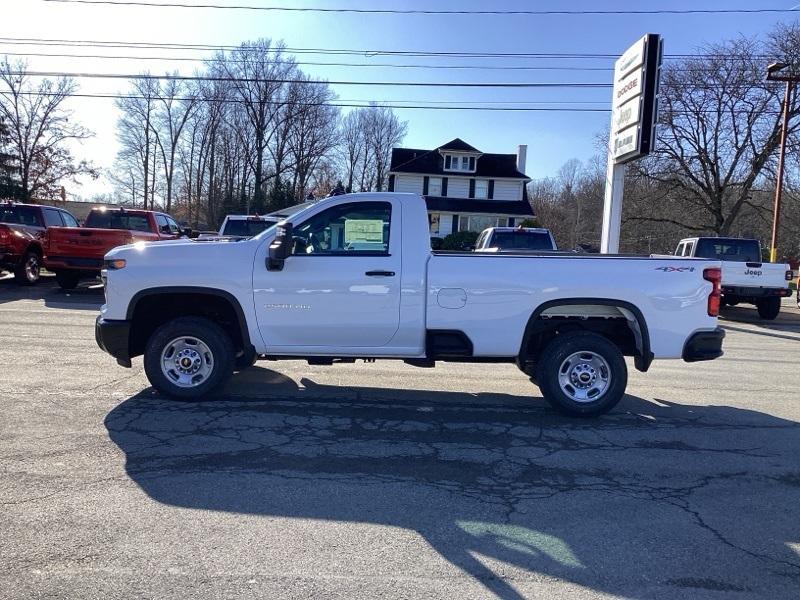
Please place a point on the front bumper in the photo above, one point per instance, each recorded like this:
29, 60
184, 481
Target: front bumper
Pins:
113, 337
704, 345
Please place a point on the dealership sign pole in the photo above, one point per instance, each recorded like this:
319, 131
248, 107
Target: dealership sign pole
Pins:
634, 110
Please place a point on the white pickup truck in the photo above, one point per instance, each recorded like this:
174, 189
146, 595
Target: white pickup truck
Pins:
353, 277
745, 278
242, 226
505, 239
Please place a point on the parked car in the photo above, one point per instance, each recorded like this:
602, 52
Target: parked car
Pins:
745, 278
514, 239
305, 289
74, 253
23, 229
242, 226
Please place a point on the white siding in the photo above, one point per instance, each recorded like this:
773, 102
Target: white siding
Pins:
507, 190
408, 183
457, 187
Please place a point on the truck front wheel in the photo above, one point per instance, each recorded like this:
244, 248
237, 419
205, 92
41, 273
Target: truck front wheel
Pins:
582, 374
188, 357
768, 308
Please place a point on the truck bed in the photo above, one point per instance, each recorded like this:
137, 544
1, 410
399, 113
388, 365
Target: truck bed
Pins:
498, 299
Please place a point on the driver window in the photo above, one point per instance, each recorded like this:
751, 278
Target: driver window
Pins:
163, 225
360, 228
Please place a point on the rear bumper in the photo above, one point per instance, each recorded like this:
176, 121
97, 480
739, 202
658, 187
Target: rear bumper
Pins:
704, 345
55, 263
113, 337
754, 292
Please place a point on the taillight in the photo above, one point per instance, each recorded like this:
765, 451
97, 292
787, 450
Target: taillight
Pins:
3, 235
714, 275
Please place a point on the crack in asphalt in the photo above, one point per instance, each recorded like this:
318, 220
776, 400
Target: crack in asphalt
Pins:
502, 463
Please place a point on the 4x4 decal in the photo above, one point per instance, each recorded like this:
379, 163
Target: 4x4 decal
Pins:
675, 269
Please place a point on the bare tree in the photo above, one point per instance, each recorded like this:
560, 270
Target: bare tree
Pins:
40, 130
136, 135
175, 109
383, 131
258, 72
718, 132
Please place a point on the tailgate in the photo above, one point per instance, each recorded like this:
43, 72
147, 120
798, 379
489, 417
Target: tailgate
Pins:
754, 274
84, 242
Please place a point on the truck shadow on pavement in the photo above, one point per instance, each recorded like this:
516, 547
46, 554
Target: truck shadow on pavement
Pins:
656, 498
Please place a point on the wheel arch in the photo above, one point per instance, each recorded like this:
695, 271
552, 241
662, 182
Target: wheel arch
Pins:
634, 318
224, 307
36, 247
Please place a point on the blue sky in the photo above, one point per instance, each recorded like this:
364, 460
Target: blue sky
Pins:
552, 137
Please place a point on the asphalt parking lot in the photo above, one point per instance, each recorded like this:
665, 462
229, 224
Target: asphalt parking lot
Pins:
386, 481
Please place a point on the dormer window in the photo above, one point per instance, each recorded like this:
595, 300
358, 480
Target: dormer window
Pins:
456, 162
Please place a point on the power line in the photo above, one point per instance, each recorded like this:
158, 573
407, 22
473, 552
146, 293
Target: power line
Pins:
368, 104
438, 84
540, 12
350, 104
321, 64
336, 51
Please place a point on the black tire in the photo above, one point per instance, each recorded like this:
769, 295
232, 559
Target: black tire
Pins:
768, 308
197, 328
554, 358
29, 269
68, 280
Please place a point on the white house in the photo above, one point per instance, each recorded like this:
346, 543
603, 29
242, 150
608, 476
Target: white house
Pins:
465, 189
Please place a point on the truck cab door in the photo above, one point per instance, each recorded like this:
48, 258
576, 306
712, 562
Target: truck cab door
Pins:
339, 289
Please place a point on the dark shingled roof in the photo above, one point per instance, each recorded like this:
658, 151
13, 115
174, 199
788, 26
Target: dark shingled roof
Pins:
458, 145
470, 205
430, 162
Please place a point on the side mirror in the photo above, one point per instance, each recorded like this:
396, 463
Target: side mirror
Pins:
281, 247
187, 231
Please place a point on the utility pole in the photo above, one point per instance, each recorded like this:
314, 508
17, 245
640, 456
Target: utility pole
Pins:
774, 74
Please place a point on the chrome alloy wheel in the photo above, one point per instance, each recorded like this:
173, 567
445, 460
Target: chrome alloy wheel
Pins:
187, 361
584, 376
32, 267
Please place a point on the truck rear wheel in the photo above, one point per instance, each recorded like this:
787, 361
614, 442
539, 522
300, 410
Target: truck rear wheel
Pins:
68, 280
768, 308
27, 273
582, 374
188, 357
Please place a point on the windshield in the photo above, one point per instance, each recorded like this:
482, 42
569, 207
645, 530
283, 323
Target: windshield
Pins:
522, 240
117, 220
729, 249
21, 215
246, 228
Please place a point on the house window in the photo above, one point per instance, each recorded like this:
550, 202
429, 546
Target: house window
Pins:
465, 164
435, 186
477, 223
433, 221
481, 188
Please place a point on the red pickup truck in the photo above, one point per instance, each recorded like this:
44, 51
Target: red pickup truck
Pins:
72, 253
22, 237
